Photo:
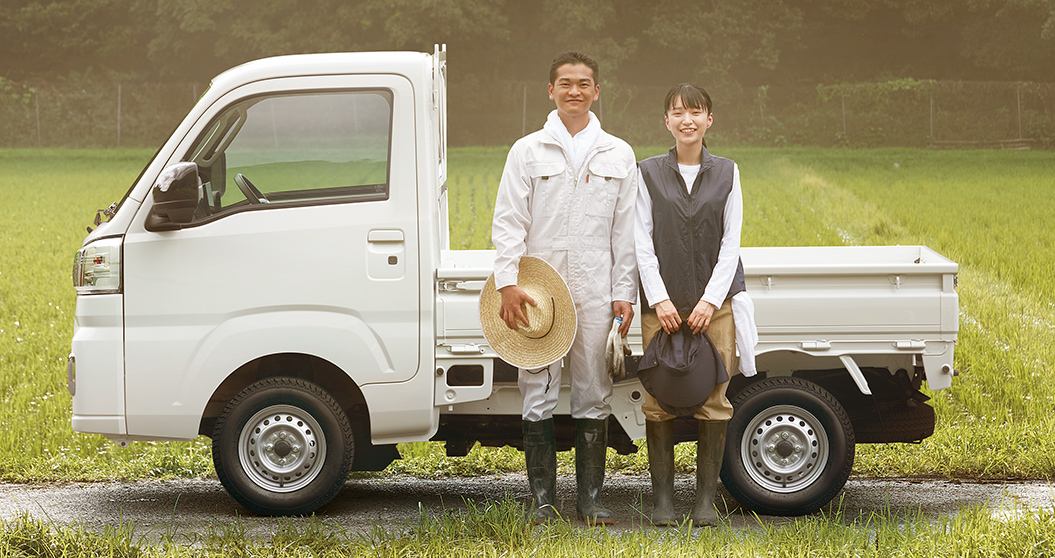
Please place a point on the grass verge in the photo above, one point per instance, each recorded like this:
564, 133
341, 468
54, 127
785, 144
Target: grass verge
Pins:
498, 529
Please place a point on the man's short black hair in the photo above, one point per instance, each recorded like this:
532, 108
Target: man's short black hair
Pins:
574, 57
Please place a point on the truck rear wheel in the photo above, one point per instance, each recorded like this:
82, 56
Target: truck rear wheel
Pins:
283, 446
789, 447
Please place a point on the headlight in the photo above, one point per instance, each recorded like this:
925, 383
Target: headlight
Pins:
97, 267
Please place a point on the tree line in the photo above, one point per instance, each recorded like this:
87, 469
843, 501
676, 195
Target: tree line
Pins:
749, 42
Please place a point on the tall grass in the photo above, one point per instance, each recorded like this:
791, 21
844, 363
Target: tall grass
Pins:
987, 210
498, 529
48, 198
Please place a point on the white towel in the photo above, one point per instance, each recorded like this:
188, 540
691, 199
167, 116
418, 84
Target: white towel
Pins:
746, 331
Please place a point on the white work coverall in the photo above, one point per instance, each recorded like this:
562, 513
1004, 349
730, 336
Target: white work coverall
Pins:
581, 221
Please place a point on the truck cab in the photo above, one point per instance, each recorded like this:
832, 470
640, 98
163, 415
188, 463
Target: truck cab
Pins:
308, 251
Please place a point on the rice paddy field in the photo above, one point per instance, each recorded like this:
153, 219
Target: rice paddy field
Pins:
988, 210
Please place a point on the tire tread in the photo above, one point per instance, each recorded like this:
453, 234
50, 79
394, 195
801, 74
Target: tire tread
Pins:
759, 389
309, 389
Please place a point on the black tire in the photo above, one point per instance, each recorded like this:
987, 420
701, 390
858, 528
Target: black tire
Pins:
283, 446
789, 447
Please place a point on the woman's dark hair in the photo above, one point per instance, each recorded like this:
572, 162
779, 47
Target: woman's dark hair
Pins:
692, 96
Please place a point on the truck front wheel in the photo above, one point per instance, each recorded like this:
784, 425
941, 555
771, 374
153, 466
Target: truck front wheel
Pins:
789, 447
283, 446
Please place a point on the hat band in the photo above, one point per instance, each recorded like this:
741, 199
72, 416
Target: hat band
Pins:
552, 318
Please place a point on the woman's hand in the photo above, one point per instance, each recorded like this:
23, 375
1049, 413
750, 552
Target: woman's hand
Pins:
701, 316
668, 316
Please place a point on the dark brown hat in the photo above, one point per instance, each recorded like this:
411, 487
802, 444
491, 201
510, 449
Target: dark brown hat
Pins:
680, 370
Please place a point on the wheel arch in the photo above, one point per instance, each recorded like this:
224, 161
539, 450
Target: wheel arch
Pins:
894, 410
315, 369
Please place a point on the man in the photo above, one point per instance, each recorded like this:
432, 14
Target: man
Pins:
567, 196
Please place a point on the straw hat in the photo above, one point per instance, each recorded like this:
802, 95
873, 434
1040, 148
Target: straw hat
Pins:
552, 328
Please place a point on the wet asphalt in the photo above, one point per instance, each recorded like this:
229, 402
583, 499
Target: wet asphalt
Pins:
188, 507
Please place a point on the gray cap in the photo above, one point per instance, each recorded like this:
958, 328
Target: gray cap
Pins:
680, 370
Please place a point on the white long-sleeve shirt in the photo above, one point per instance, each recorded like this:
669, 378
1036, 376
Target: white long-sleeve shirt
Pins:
724, 268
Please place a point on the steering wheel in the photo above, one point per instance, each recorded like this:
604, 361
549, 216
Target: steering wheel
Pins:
251, 192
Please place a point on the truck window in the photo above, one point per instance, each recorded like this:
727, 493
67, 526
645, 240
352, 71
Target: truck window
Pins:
314, 148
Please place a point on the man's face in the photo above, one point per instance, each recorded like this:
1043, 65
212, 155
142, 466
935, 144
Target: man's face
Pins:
574, 89
687, 124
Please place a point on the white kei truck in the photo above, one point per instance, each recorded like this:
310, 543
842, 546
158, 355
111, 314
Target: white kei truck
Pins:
297, 301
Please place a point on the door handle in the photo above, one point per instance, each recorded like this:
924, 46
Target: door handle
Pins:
385, 235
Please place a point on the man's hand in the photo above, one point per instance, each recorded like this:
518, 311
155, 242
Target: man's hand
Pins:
668, 316
513, 297
700, 318
624, 310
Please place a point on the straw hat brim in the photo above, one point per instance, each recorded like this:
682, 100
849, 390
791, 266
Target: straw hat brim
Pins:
534, 348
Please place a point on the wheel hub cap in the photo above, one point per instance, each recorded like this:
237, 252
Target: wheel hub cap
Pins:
784, 448
282, 448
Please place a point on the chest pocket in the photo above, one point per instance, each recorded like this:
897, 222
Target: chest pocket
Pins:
546, 193
603, 188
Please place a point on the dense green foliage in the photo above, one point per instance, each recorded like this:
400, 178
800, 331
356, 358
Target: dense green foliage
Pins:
103, 73
986, 210
754, 41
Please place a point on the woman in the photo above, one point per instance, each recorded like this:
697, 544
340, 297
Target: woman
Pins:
689, 216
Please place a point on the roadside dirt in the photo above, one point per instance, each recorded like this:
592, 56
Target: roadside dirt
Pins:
189, 506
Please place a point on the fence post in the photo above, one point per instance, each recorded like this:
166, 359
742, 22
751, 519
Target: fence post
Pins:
844, 117
523, 125
600, 110
1018, 93
36, 100
761, 111
118, 115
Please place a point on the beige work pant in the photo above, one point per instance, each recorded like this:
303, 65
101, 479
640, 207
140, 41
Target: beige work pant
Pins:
721, 332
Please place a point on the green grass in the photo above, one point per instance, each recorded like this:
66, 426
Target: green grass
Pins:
498, 529
987, 210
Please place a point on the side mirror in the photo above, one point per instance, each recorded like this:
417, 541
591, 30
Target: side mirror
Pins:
176, 196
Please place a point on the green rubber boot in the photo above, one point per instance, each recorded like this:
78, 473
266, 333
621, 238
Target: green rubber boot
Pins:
540, 453
660, 438
709, 454
591, 443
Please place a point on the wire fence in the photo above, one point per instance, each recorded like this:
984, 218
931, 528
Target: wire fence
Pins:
916, 113
939, 114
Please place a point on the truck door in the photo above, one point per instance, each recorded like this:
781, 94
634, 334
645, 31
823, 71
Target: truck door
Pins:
305, 241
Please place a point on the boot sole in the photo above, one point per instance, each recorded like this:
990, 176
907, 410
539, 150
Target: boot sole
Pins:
596, 520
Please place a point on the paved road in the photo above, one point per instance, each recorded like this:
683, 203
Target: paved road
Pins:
186, 506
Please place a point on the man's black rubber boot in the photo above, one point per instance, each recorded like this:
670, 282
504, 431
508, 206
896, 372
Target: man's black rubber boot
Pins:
709, 454
591, 444
660, 437
540, 453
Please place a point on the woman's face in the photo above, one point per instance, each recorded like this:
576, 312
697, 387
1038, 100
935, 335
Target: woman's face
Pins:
687, 124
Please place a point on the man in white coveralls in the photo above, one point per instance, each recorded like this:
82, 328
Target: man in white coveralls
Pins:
567, 196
